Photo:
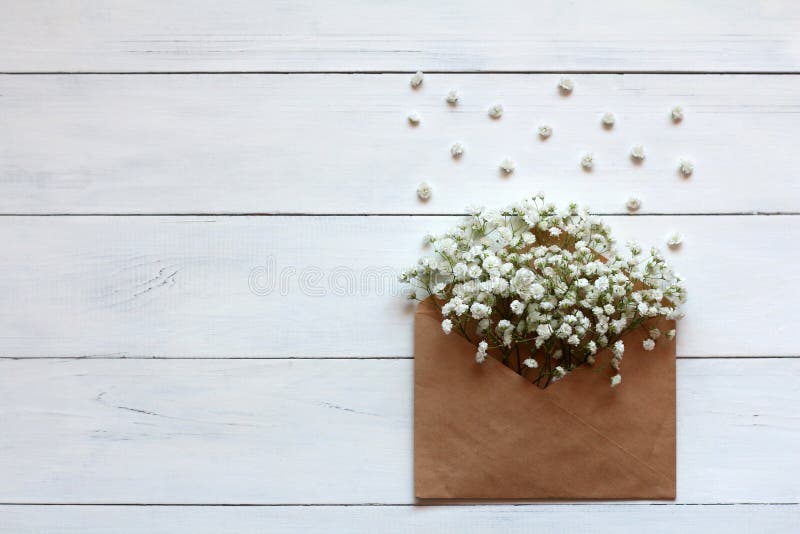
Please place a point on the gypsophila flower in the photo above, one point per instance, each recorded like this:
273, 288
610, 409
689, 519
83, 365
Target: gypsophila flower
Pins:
677, 114
587, 161
424, 191
447, 326
545, 131
547, 283
457, 150
417, 79
686, 168
452, 97
608, 119
507, 166
648, 344
637, 153
566, 85
654, 333
414, 118
496, 111
633, 204
674, 240
615, 380
671, 334
530, 363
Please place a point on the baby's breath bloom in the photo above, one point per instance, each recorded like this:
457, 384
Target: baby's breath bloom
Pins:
566, 85
616, 379
530, 363
452, 97
496, 111
608, 119
671, 334
424, 191
457, 150
648, 344
545, 131
447, 326
633, 204
480, 356
674, 240
676, 114
654, 333
507, 166
417, 79
414, 118
686, 168
558, 373
587, 161
637, 152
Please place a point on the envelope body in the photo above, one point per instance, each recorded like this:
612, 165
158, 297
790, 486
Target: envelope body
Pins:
482, 431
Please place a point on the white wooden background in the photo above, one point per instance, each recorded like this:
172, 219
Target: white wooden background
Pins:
157, 158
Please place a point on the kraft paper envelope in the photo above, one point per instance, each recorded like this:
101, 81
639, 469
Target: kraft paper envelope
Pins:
481, 431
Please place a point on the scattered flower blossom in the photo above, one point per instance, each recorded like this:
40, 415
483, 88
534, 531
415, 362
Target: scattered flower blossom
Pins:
545, 131
507, 166
648, 344
654, 333
496, 111
447, 326
671, 334
674, 240
457, 150
587, 161
615, 380
547, 281
686, 168
417, 79
530, 363
424, 191
677, 114
414, 118
566, 85
608, 119
633, 204
452, 97
637, 152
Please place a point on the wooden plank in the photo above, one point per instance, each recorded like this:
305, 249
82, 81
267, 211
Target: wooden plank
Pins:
326, 431
341, 143
326, 286
600, 519
292, 35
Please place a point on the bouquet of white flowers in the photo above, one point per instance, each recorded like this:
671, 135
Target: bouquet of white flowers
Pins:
545, 289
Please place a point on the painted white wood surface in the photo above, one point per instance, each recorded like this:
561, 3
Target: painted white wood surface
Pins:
330, 432
325, 286
292, 35
341, 143
520, 519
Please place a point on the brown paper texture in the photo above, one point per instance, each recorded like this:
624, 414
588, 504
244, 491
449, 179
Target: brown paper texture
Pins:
481, 431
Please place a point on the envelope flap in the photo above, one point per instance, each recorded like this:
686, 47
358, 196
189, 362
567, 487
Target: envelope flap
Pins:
482, 431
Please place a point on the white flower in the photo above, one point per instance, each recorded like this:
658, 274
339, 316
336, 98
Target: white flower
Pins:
456, 150
587, 161
480, 356
507, 166
545, 131
452, 96
558, 373
530, 363
618, 349
648, 344
655, 333
566, 85
637, 152
574, 340
414, 118
686, 168
424, 191
495, 111
674, 240
671, 334
677, 114
517, 307
447, 326
633, 204
479, 311
608, 119
544, 331
616, 379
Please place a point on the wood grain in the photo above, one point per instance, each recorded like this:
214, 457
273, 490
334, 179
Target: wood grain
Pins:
326, 431
326, 286
292, 35
341, 143
519, 519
